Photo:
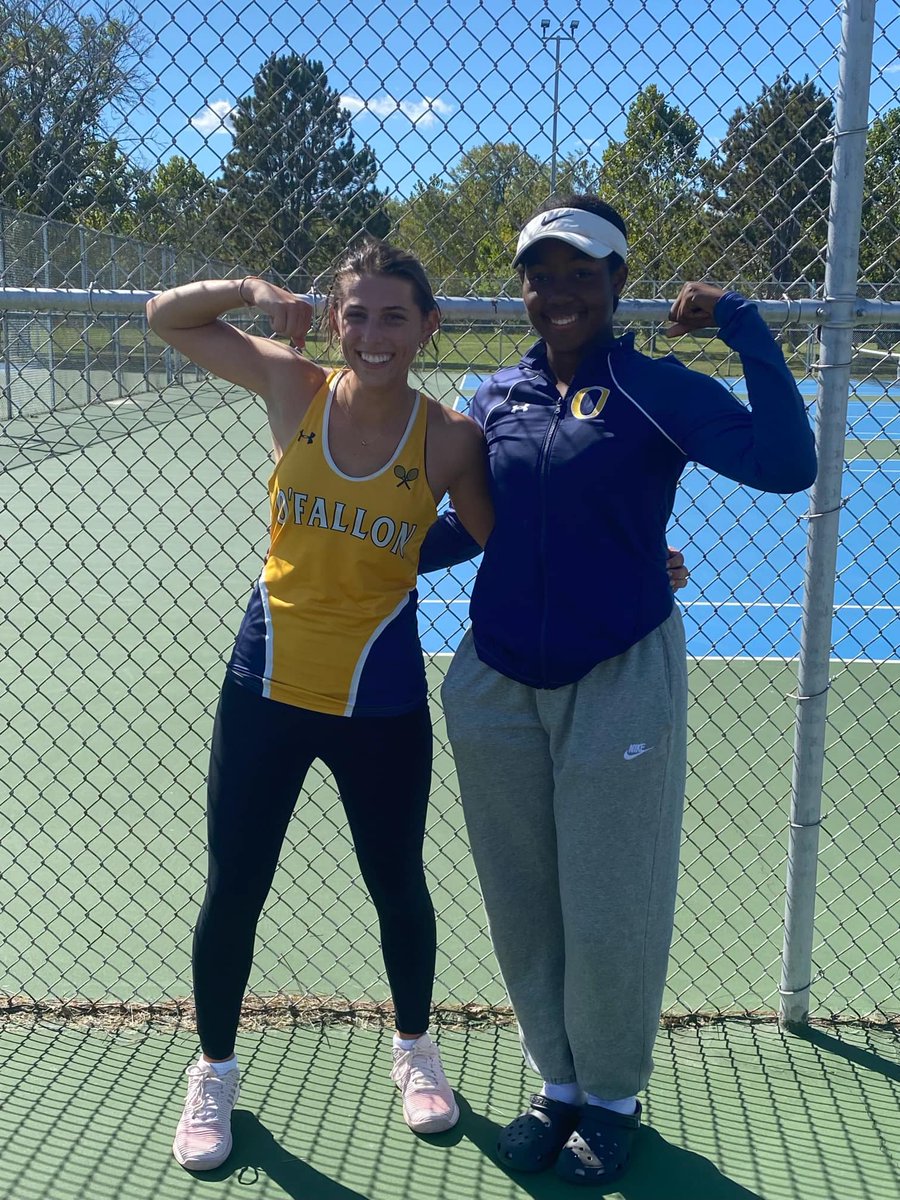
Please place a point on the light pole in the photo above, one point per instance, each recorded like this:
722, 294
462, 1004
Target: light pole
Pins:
557, 37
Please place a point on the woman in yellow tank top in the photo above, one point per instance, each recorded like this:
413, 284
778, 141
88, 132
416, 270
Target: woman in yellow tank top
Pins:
327, 664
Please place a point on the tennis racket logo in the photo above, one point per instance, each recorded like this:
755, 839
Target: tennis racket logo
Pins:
406, 477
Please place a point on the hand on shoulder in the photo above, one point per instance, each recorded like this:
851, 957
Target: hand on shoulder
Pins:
694, 308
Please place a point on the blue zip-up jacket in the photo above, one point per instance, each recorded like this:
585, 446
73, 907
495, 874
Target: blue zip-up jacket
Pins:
583, 486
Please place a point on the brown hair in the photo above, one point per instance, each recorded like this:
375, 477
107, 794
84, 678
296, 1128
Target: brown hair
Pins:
375, 257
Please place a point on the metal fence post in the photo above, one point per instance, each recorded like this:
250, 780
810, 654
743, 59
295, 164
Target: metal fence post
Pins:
88, 322
7, 365
167, 281
4, 326
851, 120
116, 328
145, 330
48, 319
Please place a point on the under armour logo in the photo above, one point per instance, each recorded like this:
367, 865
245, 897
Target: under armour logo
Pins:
549, 217
520, 408
406, 477
310, 437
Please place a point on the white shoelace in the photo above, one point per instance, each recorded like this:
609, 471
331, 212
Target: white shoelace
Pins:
422, 1070
206, 1094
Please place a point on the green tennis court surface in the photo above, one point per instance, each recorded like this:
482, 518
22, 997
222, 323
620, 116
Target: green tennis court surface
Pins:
131, 535
737, 1111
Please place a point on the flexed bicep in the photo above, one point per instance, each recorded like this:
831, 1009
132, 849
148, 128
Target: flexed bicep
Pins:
188, 318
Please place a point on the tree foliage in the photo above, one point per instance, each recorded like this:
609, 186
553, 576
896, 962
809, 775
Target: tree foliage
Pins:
297, 188
651, 177
465, 226
176, 205
880, 245
60, 70
769, 186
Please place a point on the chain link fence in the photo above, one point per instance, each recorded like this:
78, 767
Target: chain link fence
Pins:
63, 361
155, 146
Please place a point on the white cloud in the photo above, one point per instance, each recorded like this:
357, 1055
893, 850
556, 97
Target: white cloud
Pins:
215, 118
419, 112
892, 69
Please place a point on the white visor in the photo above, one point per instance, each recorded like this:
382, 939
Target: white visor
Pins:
592, 235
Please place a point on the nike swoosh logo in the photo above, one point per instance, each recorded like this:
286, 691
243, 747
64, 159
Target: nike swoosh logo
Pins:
550, 217
630, 754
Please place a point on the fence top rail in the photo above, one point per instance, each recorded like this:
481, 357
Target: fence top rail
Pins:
101, 301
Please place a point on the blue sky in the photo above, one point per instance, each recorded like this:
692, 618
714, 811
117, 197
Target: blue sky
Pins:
426, 79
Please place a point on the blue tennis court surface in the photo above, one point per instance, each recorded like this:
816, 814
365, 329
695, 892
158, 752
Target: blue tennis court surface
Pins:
745, 552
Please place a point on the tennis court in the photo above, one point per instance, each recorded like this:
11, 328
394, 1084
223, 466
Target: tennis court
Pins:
134, 530
746, 552
752, 144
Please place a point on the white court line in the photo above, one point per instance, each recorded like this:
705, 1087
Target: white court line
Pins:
887, 467
784, 604
699, 658
744, 604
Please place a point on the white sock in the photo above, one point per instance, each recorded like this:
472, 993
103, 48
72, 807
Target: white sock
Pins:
626, 1107
405, 1043
222, 1068
566, 1093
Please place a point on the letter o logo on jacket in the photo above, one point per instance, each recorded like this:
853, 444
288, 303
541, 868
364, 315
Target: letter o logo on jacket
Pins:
589, 402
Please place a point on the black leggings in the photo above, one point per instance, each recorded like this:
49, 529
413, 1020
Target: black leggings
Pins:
261, 752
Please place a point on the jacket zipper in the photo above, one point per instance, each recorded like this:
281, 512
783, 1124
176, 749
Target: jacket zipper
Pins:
544, 472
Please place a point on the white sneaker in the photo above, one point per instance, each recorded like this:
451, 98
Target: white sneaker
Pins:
203, 1137
429, 1105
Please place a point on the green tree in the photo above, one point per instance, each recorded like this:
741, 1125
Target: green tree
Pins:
464, 227
297, 189
769, 186
60, 70
880, 244
177, 206
425, 224
651, 177
103, 196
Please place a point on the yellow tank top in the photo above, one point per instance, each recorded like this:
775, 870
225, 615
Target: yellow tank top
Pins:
332, 624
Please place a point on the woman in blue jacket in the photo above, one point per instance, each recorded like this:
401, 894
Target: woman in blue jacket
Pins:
566, 701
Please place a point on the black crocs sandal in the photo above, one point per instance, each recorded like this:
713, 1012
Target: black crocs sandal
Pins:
533, 1140
598, 1151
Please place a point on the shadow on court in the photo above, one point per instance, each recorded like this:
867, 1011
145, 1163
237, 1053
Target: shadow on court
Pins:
734, 1111
659, 1170
859, 1056
258, 1157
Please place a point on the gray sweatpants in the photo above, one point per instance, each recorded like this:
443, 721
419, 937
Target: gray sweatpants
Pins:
573, 801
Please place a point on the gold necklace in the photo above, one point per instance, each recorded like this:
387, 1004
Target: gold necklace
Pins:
346, 407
